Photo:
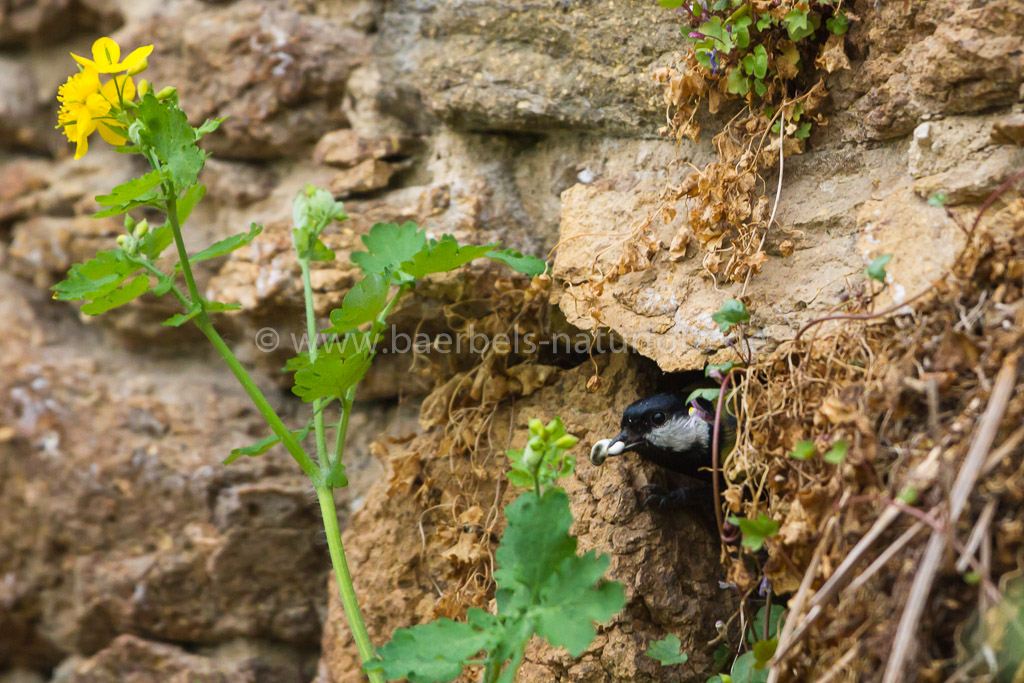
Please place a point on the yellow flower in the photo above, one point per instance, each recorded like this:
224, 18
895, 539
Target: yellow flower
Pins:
106, 52
86, 107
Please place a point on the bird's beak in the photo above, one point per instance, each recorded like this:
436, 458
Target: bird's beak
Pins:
627, 440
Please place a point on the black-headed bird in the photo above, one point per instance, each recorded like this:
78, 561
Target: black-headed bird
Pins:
667, 431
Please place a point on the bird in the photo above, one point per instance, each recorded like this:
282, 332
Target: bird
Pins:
675, 434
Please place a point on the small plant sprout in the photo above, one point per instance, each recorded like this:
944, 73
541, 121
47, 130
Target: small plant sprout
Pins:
876, 269
136, 121
733, 312
804, 450
668, 651
755, 531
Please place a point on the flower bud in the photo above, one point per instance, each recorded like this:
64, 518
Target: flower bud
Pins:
531, 458
566, 442
551, 427
138, 68
164, 93
143, 87
129, 223
536, 443
141, 228
536, 426
124, 242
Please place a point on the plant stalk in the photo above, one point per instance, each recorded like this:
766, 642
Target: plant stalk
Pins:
344, 579
318, 416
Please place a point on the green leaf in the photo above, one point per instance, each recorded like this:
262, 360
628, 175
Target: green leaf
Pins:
156, 241
225, 246
720, 368
189, 200
764, 20
96, 277
362, 304
709, 395
388, 246
265, 444
167, 129
671, 4
208, 126
443, 256
760, 88
876, 269
321, 252
544, 460
755, 531
838, 24
179, 319
336, 368
804, 450
803, 131
797, 25
760, 60
314, 209
763, 651
133, 189
667, 651
118, 297
430, 652
838, 452
737, 83
541, 577
744, 670
937, 199
775, 620
527, 265
732, 312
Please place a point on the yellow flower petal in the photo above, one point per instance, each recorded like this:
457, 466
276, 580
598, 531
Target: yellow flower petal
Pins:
109, 135
106, 51
81, 147
135, 57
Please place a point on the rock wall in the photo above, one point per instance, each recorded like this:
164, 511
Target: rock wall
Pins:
128, 549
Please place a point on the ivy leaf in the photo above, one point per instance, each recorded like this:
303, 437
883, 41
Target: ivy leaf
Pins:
837, 453
804, 450
667, 651
225, 246
755, 531
838, 24
803, 131
709, 395
737, 83
118, 297
797, 25
388, 246
732, 312
443, 256
133, 189
764, 20
96, 277
775, 620
744, 670
876, 269
430, 652
362, 304
337, 367
527, 265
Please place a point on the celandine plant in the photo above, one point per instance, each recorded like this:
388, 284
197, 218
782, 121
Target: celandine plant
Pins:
137, 120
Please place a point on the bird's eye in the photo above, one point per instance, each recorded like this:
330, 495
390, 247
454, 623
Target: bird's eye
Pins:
658, 419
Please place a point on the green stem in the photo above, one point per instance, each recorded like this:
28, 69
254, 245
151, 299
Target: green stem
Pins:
318, 416
344, 579
206, 327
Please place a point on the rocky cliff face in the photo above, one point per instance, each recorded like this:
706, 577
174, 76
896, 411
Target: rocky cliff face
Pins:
130, 553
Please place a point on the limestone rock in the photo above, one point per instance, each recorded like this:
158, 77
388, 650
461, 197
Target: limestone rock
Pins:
536, 67
36, 22
345, 148
278, 73
366, 176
